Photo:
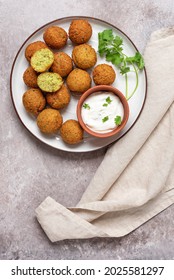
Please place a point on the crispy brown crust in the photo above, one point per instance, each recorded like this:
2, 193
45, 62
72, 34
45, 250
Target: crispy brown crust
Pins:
71, 132
33, 47
84, 56
78, 80
34, 101
80, 31
49, 121
59, 99
55, 37
103, 74
30, 77
62, 64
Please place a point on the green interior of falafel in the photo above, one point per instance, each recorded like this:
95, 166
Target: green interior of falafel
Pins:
42, 60
49, 82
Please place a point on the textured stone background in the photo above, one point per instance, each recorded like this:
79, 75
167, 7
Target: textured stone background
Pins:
30, 171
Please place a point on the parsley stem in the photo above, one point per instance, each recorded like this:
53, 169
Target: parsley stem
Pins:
126, 79
136, 85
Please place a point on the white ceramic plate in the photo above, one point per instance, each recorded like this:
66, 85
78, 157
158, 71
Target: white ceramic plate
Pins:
89, 143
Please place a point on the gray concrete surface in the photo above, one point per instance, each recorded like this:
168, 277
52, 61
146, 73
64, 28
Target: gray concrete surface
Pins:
30, 170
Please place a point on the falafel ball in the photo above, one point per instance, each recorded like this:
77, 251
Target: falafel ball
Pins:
34, 101
49, 82
30, 77
59, 99
55, 37
103, 74
42, 60
78, 80
62, 64
33, 47
84, 56
49, 121
71, 132
80, 31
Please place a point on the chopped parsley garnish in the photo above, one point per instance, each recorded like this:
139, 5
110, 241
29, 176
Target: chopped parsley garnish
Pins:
117, 120
86, 106
111, 47
108, 100
105, 119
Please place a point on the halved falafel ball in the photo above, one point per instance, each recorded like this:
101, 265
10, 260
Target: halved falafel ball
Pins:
34, 101
80, 31
103, 74
49, 82
78, 80
62, 64
49, 121
30, 77
59, 99
71, 132
84, 56
33, 47
55, 37
42, 60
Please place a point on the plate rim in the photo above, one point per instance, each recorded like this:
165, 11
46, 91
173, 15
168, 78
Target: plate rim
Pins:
52, 22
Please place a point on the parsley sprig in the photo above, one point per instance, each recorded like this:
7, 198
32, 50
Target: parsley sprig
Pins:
112, 47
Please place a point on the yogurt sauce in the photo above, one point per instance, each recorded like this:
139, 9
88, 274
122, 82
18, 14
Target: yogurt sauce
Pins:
102, 111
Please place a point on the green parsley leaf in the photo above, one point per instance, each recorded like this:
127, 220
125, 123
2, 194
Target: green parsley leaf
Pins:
107, 35
124, 70
104, 39
115, 58
86, 106
105, 119
108, 100
117, 120
137, 59
111, 46
118, 41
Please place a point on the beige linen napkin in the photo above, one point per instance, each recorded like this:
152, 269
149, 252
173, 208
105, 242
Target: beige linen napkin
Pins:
135, 181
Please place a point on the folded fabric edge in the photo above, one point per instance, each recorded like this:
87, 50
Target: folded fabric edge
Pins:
60, 223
